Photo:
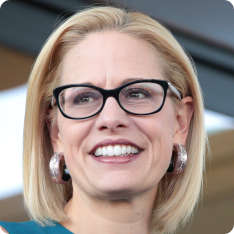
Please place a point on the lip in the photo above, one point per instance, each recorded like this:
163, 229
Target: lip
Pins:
117, 160
114, 142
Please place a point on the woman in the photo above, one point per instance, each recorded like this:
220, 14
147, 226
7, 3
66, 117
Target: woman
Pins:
113, 105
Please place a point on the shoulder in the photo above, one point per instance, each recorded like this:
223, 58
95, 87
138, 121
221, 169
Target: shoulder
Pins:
25, 227
33, 227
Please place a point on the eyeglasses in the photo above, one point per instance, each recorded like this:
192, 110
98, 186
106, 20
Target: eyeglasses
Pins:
140, 97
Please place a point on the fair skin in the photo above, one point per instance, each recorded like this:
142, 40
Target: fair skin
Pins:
3, 229
110, 198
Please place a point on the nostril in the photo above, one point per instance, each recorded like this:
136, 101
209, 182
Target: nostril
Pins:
103, 128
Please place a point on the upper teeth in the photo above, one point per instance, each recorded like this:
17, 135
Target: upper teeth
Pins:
116, 150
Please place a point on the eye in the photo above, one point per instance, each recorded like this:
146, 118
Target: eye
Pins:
86, 99
83, 99
137, 93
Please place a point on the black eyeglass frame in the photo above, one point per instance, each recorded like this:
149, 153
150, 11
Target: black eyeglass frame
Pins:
114, 93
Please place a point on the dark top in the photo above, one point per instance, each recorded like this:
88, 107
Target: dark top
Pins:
33, 227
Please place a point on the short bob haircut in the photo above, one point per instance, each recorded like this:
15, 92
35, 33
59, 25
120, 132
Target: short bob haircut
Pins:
177, 196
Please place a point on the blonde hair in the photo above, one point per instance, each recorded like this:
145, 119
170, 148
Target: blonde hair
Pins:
176, 197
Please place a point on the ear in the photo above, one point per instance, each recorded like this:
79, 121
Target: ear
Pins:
56, 139
182, 120
54, 135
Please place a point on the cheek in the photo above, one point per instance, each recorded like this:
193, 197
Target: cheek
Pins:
162, 141
158, 129
72, 136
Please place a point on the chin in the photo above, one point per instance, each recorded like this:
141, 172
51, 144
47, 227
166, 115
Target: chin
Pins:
115, 194
118, 190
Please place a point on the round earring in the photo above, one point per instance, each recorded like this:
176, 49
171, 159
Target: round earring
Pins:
178, 160
55, 171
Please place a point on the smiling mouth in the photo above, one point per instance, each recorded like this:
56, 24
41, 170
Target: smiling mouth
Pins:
116, 151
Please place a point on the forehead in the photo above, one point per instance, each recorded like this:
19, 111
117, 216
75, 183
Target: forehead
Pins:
106, 59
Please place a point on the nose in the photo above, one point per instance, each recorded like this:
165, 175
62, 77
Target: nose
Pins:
112, 117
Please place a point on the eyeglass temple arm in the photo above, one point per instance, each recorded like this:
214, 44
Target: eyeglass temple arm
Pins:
52, 101
174, 90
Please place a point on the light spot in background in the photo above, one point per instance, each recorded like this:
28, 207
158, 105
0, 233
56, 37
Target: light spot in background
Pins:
216, 122
12, 108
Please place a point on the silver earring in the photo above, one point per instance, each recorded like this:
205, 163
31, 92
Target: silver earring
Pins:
55, 173
178, 160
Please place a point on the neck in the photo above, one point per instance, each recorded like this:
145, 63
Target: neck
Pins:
88, 214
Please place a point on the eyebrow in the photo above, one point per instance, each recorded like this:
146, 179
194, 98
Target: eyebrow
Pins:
129, 80
87, 83
122, 83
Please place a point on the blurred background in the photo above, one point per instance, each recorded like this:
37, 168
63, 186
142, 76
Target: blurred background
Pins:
205, 29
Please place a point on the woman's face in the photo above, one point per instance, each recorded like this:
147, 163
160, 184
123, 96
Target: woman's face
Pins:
107, 60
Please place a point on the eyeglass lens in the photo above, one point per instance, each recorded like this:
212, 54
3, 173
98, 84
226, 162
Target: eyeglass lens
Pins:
138, 98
